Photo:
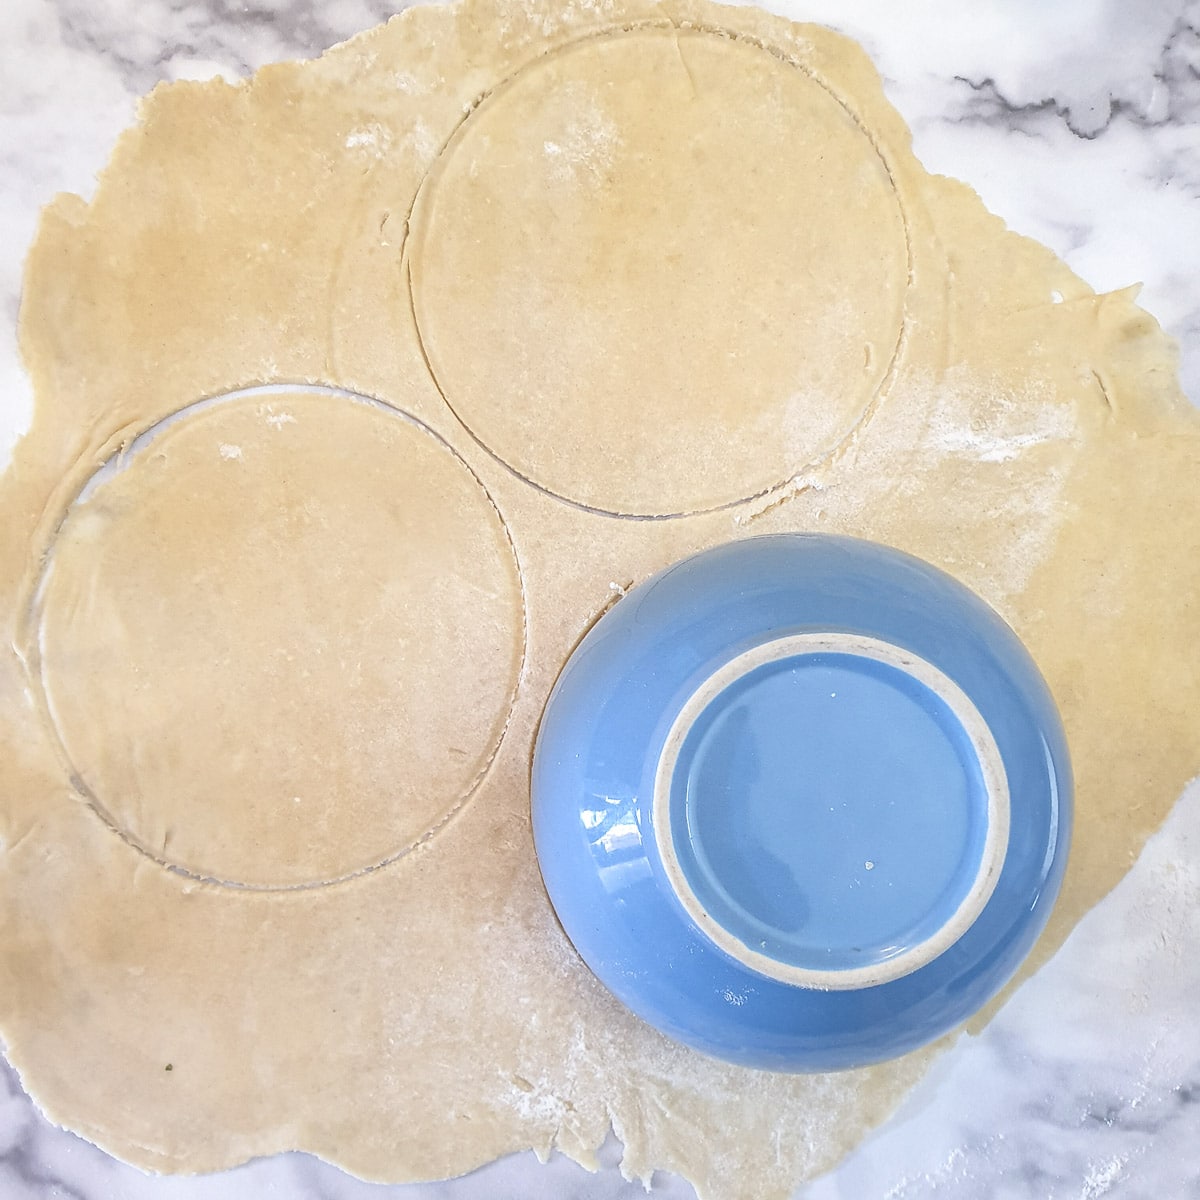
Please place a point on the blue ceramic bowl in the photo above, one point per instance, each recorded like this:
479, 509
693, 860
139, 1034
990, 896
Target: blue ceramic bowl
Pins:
802, 802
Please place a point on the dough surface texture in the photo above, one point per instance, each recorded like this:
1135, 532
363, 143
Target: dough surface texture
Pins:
362, 387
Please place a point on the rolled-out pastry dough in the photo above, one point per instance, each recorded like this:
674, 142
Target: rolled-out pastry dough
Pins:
544, 297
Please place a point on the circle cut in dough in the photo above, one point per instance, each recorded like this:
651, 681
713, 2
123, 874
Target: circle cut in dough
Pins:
660, 271
280, 647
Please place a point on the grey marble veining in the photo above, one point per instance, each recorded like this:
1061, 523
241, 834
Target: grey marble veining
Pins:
172, 41
1079, 123
1137, 66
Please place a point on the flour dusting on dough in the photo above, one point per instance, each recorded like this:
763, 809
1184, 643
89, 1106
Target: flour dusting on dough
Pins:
277, 420
1003, 422
374, 140
584, 149
1017, 441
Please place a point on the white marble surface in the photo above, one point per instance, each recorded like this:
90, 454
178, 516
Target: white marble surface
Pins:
1079, 123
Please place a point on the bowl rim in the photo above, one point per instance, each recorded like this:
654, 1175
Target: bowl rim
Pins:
997, 807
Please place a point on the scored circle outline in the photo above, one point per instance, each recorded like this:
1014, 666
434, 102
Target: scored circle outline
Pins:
117, 462
415, 233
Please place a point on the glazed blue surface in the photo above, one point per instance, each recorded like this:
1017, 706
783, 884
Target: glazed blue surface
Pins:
804, 793
594, 769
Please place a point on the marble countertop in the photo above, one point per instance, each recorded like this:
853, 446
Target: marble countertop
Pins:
1078, 123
